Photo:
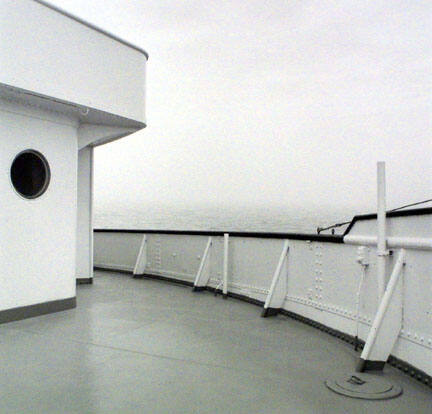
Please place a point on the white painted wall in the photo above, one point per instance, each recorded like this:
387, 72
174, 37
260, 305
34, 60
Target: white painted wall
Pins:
37, 257
50, 54
63, 86
84, 258
323, 278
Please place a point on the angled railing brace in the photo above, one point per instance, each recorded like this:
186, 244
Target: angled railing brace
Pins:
277, 291
141, 260
387, 323
203, 274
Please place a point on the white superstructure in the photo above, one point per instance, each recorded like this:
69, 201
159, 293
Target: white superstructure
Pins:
65, 86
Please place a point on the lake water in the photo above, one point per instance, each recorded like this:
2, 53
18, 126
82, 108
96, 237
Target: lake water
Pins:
221, 219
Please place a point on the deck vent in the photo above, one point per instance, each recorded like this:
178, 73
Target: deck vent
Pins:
30, 174
364, 386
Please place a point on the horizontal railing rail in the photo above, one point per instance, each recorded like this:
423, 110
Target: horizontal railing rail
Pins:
398, 213
260, 235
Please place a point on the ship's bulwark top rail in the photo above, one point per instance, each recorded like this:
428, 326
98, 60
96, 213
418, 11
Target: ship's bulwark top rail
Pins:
259, 235
326, 238
399, 213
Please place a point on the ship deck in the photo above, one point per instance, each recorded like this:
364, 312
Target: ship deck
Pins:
148, 346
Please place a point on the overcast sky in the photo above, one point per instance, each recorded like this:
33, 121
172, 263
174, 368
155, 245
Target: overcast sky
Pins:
274, 103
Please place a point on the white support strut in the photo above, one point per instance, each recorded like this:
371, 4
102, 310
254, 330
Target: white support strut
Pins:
364, 265
141, 260
225, 266
91, 214
277, 291
201, 280
387, 323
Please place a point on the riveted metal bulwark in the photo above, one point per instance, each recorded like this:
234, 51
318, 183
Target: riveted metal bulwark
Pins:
318, 270
158, 253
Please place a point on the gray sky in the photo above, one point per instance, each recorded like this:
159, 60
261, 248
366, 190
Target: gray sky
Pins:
274, 103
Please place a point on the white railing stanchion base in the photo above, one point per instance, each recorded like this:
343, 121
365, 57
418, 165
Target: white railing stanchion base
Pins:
387, 323
203, 275
141, 260
278, 286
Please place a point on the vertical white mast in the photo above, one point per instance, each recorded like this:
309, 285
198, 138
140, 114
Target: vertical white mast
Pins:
381, 222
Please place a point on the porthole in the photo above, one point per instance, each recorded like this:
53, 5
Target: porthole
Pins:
30, 174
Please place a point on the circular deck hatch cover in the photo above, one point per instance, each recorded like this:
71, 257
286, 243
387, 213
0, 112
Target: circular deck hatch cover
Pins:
365, 386
30, 174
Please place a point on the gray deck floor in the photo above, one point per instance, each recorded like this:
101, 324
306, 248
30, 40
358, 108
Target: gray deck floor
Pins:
145, 346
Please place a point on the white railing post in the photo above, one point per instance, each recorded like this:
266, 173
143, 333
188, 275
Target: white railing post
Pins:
225, 267
203, 274
141, 260
277, 291
387, 323
382, 252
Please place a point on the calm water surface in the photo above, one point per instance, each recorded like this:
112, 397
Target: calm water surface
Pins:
223, 219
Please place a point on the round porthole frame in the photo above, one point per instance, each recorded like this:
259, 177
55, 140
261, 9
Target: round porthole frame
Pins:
46, 168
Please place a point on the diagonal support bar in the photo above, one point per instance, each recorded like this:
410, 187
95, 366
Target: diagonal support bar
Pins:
387, 323
203, 274
141, 260
278, 287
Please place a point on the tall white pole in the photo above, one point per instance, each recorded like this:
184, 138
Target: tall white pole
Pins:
381, 222
91, 213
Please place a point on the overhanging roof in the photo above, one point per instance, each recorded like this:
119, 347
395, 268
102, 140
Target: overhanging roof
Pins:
64, 63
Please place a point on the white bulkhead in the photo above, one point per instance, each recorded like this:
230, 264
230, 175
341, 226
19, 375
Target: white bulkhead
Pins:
65, 86
36, 259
